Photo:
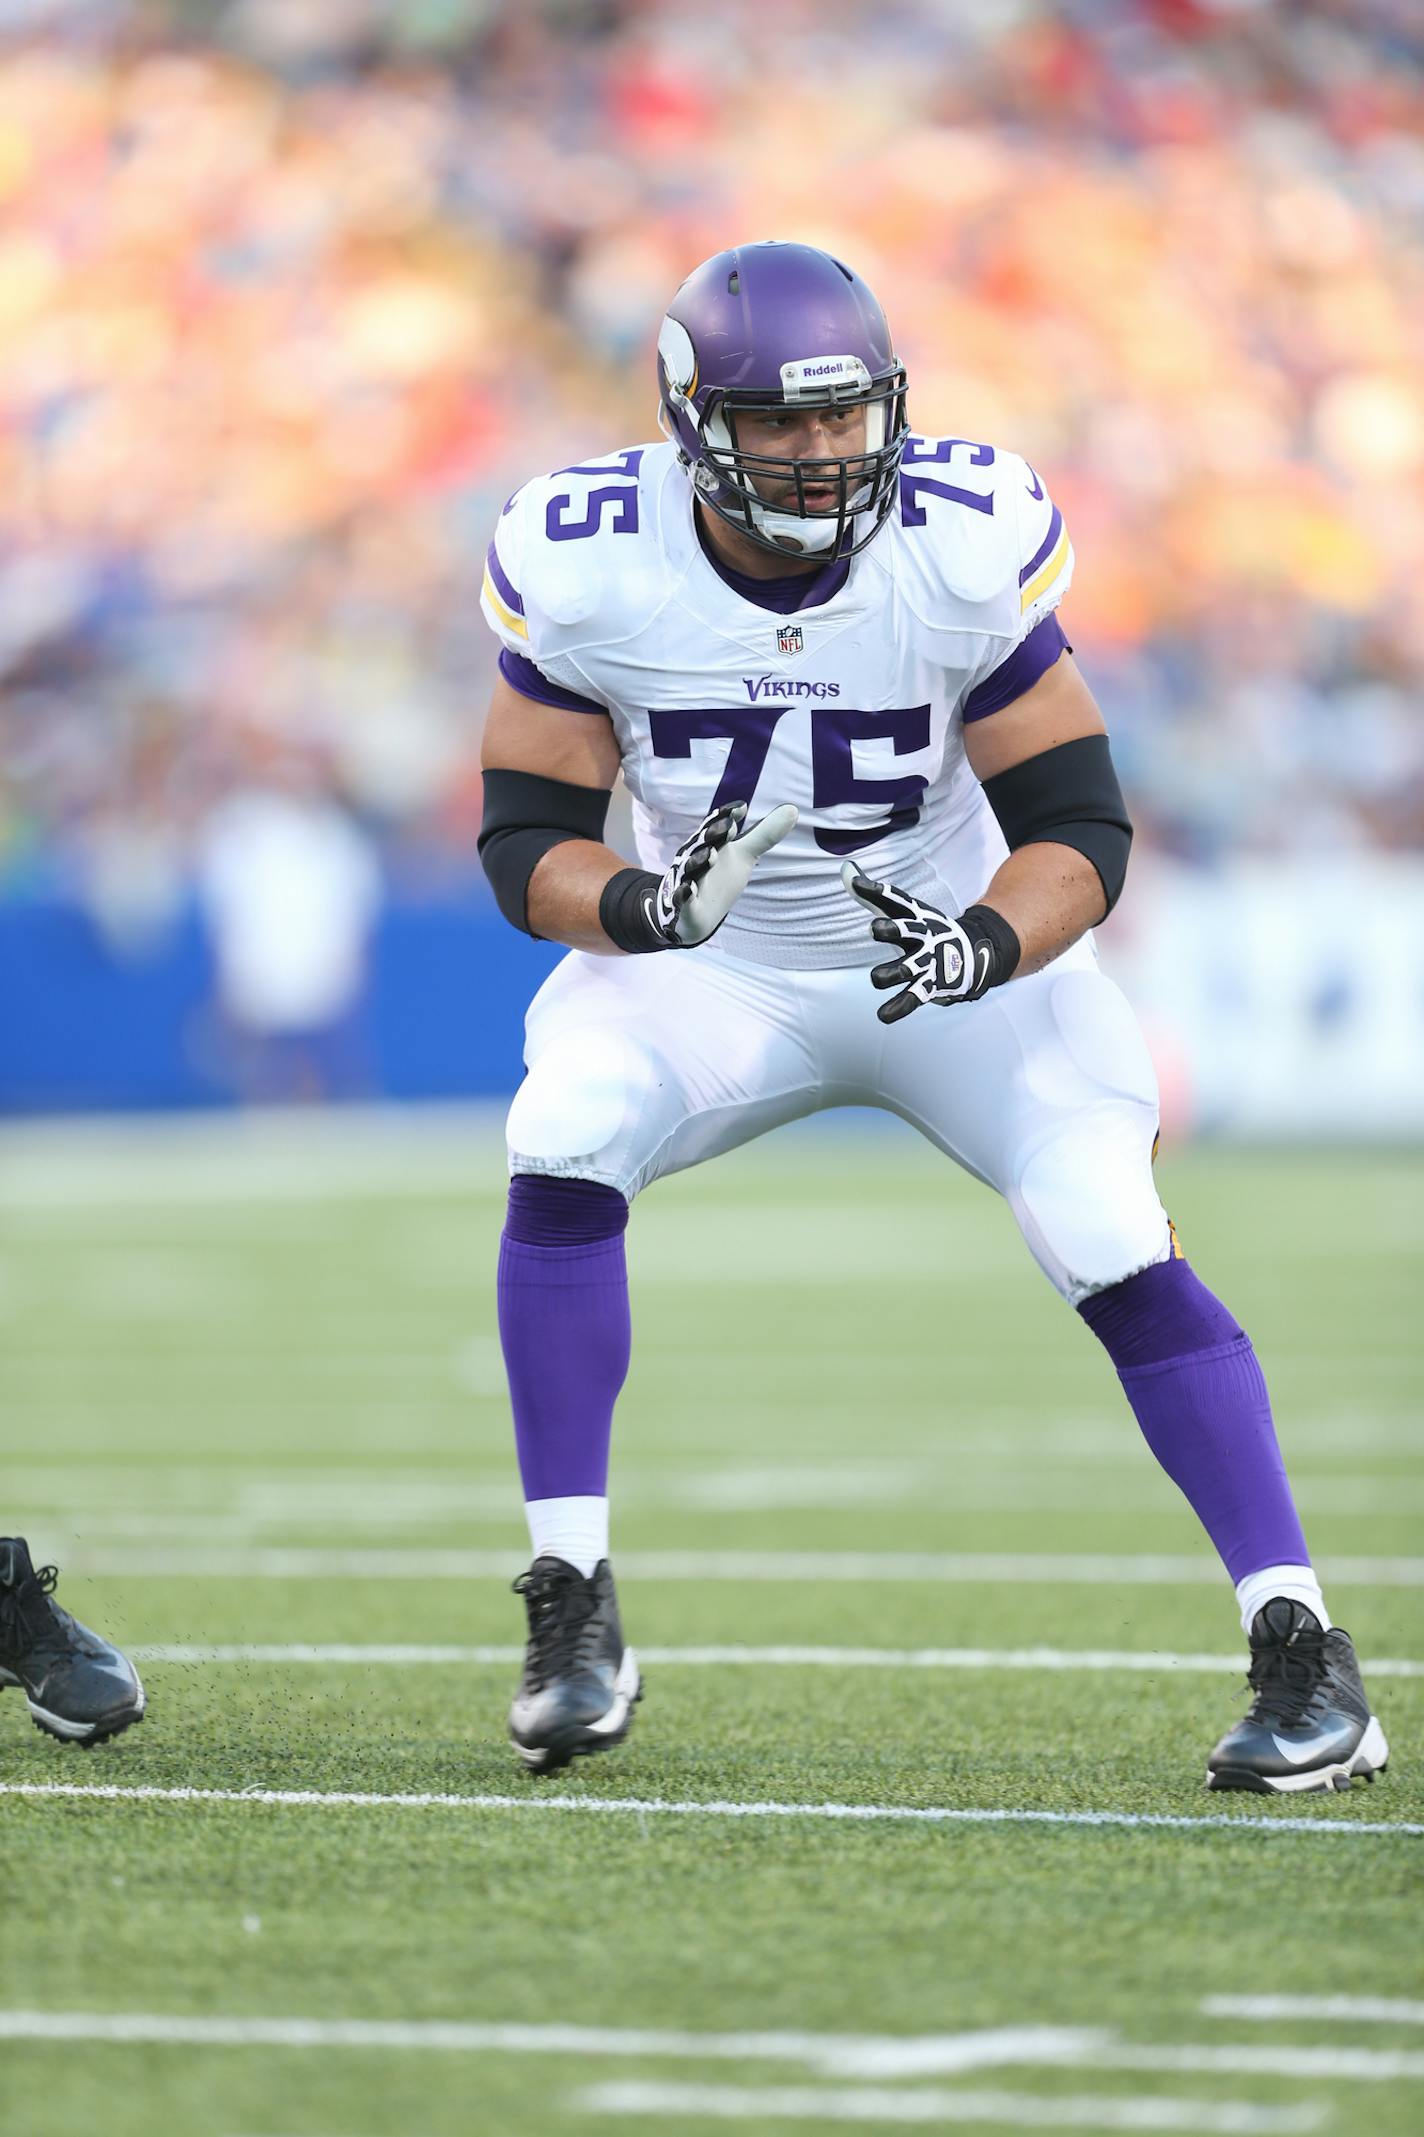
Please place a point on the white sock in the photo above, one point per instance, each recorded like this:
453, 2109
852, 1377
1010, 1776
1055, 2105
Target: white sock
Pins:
1296, 1582
575, 1530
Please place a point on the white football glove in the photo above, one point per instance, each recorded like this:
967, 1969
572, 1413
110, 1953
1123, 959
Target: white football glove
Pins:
941, 960
710, 870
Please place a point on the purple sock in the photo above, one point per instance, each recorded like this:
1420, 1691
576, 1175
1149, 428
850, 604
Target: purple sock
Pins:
563, 1322
1200, 1397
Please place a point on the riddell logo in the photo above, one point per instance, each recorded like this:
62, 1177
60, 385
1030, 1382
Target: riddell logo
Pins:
759, 686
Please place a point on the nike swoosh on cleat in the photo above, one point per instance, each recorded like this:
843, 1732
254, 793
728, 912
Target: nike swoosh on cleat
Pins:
1302, 1754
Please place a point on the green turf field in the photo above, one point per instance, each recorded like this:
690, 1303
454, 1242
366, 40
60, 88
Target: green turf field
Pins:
252, 1403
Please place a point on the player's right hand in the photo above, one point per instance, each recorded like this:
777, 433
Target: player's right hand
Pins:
710, 870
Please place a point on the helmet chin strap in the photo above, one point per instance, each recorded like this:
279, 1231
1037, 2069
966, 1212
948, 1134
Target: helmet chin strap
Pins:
797, 536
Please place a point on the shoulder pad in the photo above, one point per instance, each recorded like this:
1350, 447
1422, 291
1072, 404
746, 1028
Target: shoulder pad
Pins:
574, 558
979, 546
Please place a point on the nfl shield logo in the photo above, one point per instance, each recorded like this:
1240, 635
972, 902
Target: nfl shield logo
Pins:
789, 639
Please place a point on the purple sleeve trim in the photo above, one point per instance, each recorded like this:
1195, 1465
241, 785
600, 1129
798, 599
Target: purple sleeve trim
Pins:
529, 681
504, 585
1045, 548
1032, 657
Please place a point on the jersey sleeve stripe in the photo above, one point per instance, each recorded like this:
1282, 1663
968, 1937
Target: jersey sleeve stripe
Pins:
1031, 658
1040, 584
531, 681
506, 615
504, 585
1045, 548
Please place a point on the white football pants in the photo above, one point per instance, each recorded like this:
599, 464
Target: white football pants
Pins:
641, 1066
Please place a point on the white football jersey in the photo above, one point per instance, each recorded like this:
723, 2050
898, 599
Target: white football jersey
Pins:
852, 709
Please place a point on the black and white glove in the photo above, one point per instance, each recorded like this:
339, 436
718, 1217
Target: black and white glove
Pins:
710, 870
941, 960
701, 884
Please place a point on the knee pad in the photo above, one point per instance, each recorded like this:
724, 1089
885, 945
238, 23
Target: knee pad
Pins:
574, 1111
1088, 1207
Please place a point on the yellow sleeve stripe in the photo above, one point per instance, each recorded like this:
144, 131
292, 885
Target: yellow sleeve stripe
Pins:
1042, 580
501, 608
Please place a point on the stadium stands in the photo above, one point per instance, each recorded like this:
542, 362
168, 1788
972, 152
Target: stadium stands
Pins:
292, 295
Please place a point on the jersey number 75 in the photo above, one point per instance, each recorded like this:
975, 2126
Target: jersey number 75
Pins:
834, 782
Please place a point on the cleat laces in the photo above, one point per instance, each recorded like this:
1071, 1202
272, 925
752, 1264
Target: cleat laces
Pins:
28, 1619
1285, 1678
563, 1623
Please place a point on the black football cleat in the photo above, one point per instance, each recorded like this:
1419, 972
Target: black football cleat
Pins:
79, 1688
580, 1683
1310, 1724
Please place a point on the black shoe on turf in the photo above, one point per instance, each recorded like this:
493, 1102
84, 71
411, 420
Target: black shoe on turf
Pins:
1310, 1724
79, 1688
580, 1682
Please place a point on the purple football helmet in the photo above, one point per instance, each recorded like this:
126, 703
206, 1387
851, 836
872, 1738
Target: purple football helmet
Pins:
776, 328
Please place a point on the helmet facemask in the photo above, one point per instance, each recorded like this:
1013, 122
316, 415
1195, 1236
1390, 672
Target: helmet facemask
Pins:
733, 481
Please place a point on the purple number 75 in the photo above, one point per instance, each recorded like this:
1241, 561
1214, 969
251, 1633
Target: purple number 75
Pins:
914, 487
834, 782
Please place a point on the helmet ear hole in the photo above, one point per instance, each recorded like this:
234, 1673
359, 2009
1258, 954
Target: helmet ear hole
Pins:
734, 284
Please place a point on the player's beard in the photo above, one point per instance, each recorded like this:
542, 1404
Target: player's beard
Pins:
822, 498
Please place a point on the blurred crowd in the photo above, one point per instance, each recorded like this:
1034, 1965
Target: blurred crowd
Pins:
293, 293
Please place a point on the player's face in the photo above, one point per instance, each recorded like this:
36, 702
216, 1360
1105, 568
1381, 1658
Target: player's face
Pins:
807, 436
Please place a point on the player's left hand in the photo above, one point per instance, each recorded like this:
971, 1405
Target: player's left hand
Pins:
941, 960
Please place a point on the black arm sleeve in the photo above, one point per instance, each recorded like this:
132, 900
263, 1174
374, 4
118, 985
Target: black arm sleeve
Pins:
524, 816
1068, 796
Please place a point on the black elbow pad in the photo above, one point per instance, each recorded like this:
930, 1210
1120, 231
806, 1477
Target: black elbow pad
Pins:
524, 816
1068, 796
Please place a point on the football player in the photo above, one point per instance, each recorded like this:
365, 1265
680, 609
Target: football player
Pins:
824, 652
79, 1688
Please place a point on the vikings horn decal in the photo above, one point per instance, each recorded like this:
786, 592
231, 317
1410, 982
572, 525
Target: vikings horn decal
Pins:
679, 359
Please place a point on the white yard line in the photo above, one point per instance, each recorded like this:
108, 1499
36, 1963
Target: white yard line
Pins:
919, 1658
983, 1486
828, 2054
467, 1506
927, 2058
1149, 1569
805, 2103
1068, 1442
1308, 2064
1347, 2010
1323, 1827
